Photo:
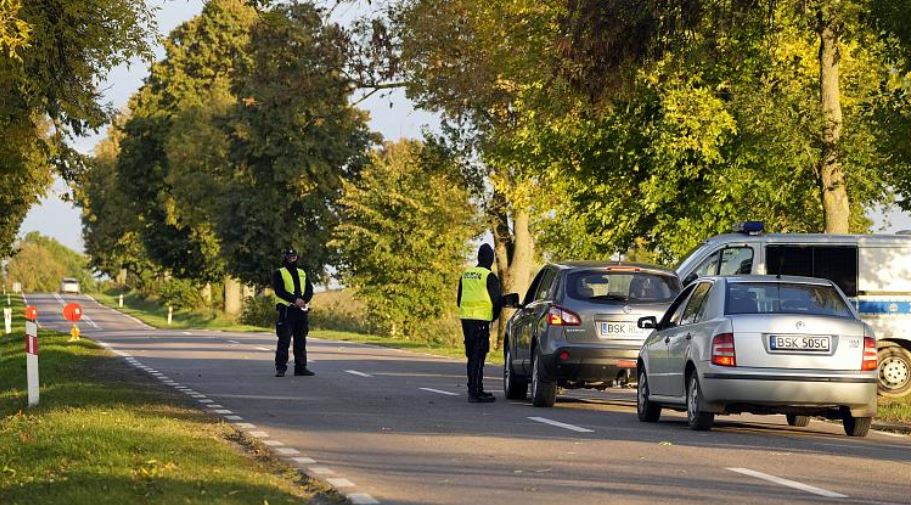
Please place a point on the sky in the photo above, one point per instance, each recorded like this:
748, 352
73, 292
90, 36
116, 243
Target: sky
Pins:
393, 115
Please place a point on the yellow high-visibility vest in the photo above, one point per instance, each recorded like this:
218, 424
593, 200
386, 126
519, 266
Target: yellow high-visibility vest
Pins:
475, 303
289, 284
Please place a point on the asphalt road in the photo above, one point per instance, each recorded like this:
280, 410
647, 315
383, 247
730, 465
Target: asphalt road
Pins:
392, 427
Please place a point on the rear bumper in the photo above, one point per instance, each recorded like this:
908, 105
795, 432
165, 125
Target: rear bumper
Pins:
764, 390
587, 364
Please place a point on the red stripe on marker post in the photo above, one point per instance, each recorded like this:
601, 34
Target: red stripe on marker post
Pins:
31, 344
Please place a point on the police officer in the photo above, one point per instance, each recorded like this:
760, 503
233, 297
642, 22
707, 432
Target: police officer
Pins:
293, 291
480, 302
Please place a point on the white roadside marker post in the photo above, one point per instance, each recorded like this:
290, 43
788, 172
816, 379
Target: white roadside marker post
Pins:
8, 319
120, 301
170, 313
31, 355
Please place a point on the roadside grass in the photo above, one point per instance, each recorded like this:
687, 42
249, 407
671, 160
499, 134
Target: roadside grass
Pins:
103, 433
895, 410
155, 314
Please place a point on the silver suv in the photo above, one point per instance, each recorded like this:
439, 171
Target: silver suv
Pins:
576, 327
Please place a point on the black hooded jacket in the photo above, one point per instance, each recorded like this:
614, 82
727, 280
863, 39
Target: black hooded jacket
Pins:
485, 259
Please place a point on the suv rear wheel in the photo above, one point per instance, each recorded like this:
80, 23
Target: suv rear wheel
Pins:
543, 393
515, 388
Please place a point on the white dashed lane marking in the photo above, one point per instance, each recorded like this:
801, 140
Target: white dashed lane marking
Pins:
439, 391
788, 483
362, 499
359, 374
558, 424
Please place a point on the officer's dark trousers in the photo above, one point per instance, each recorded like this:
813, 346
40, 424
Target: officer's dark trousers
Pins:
477, 344
292, 323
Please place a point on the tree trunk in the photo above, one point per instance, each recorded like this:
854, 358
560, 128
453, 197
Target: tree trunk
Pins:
514, 249
233, 296
831, 174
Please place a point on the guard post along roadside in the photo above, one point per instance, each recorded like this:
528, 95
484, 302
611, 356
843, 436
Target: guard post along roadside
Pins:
31, 354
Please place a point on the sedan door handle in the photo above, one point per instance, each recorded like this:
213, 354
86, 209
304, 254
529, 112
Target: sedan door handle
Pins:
667, 340
689, 336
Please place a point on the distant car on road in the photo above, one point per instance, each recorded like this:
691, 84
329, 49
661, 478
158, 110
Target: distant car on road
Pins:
69, 285
577, 327
763, 345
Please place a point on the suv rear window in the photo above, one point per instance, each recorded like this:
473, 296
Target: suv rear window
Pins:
784, 298
625, 287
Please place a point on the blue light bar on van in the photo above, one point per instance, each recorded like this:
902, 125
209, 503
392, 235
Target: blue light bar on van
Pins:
749, 227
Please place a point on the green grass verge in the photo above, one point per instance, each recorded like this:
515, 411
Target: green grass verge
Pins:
104, 434
154, 314
895, 411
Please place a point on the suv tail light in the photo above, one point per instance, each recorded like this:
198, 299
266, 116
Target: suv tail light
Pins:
558, 316
869, 362
723, 352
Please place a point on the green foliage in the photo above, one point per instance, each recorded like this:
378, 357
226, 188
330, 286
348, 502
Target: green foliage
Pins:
180, 294
259, 311
296, 139
40, 263
52, 55
403, 237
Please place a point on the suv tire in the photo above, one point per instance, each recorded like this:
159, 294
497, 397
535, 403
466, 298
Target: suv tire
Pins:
648, 412
696, 418
543, 393
514, 387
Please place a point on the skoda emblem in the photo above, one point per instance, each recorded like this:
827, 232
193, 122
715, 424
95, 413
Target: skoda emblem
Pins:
799, 325
627, 309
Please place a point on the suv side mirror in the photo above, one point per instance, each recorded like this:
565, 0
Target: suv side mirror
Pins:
647, 323
690, 278
511, 300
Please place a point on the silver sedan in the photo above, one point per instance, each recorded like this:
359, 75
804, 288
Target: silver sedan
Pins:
763, 345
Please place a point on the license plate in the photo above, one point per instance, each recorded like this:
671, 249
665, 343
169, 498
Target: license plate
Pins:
619, 330
799, 343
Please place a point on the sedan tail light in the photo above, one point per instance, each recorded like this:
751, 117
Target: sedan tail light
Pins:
558, 316
723, 352
870, 361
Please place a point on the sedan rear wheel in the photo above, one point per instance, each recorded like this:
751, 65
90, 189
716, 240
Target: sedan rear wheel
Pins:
647, 411
695, 417
856, 426
894, 370
798, 421
515, 388
543, 394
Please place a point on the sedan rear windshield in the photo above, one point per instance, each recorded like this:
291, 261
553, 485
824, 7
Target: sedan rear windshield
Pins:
625, 287
784, 298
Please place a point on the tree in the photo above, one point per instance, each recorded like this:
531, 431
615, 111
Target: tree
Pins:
41, 262
52, 55
403, 238
609, 41
294, 140
165, 169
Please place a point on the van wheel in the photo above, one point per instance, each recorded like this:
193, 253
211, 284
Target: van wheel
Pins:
647, 411
695, 417
894, 370
515, 388
798, 421
856, 426
543, 393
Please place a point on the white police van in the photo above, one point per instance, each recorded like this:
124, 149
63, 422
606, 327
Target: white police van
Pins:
874, 271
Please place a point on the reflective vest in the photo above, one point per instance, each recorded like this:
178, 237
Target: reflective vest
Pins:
289, 284
475, 302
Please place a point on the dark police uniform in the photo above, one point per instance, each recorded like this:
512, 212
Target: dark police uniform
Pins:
480, 302
290, 285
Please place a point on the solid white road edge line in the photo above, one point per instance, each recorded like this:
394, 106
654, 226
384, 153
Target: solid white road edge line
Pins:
361, 499
320, 470
788, 483
571, 427
439, 391
340, 482
359, 374
303, 461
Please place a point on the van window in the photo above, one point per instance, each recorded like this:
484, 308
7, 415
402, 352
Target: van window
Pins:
836, 263
736, 261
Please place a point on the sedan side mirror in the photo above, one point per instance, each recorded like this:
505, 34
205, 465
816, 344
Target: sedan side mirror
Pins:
511, 300
647, 323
